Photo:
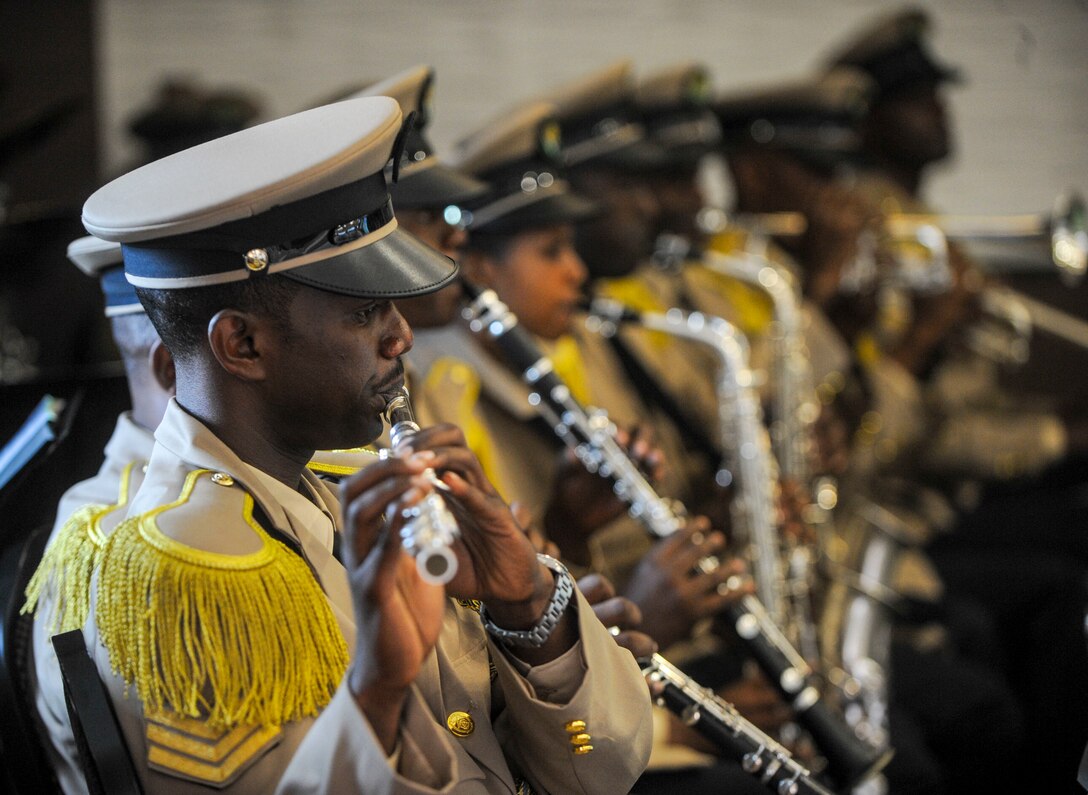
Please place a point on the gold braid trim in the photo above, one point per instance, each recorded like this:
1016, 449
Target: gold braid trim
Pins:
64, 573
230, 639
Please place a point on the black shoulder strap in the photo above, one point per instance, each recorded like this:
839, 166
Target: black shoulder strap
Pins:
103, 753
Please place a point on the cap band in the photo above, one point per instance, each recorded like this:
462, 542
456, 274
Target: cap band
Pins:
179, 259
703, 130
491, 212
219, 255
120, 296
609, 141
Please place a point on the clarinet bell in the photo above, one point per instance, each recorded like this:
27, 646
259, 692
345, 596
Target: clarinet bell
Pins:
850, 760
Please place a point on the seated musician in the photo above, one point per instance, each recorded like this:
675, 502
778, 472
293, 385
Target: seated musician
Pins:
267, 261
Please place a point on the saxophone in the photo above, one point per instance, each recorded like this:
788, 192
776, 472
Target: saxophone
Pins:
795, 412
859, 610
745, 455
853, 636
591, 436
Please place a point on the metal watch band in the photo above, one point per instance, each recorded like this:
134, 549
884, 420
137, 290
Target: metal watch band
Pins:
537, 636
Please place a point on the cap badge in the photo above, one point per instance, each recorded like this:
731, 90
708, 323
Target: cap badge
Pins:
551, 139
697, 88
256, 259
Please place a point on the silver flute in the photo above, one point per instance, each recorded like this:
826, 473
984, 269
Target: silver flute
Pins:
591, 437
718, 721
430, 528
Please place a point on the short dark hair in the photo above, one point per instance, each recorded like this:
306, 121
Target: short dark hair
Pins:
181, 316
134, 336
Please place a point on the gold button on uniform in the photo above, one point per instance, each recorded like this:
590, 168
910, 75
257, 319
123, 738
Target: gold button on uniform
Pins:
222, 479
460, 724
578, 737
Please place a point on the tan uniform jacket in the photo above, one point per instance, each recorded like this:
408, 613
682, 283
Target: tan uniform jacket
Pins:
514, 722
129, 444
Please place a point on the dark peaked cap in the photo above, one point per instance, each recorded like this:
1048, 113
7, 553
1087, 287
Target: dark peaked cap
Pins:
424, 181
894, 52
674, 107
518, 155
102, 260
601, 122
303, 196
815, 115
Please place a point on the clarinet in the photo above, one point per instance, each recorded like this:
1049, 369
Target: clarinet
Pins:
430, 529
718, 721
591, 437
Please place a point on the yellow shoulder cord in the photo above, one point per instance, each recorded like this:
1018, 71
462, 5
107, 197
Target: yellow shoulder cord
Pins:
230, 639
571, 368
447, 371
754, 308
636, 294
64, 573
319, 467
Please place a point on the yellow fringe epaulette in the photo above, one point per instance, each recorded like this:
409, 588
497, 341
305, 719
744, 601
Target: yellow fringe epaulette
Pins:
230, 639
64, 573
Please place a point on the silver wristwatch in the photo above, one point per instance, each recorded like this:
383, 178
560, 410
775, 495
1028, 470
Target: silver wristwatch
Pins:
537, 636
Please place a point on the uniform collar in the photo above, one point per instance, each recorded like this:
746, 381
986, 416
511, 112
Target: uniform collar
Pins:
192, 441
129, 442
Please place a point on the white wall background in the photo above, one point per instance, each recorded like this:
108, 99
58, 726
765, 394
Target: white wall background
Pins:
1021, 119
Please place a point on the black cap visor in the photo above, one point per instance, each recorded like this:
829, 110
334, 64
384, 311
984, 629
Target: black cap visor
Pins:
398, 265
434, 185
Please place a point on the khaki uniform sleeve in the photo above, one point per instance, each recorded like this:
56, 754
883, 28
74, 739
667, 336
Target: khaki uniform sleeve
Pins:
340, 754
611, 706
